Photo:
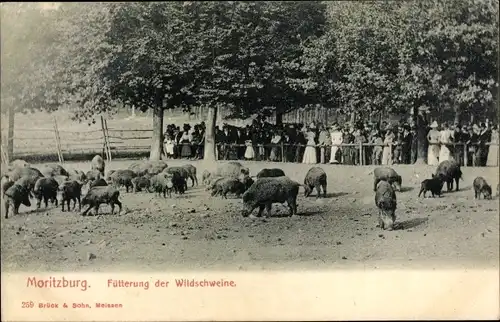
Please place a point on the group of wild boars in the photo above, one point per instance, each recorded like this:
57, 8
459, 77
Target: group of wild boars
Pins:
434, 185
52, 170
385, 200
448, 171
141, 183
223, 186
191, 169
270, 173
231, 169
19, 164
164, 182
179, 171
5, 184
28, 174
101, 195
17, 185
99, 182
386, 181
92, 175
77, 175
389, 175
148, 167
13, 165
119, 178
46, 189
481, 187
71, 190
266, 191
98, 164
205, 177
315, 178
14, 196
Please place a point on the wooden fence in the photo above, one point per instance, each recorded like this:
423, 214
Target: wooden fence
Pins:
111, 141
360, 150
38, 142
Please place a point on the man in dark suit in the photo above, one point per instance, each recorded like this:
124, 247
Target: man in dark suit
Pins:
458, 149
406, 144
483, 138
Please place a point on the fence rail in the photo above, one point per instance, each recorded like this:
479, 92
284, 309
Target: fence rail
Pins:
109, 141
359, 150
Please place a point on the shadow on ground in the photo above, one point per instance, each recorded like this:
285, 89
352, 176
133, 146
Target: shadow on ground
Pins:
411, 223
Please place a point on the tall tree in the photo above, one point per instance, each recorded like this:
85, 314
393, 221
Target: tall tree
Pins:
405, 56
27, 38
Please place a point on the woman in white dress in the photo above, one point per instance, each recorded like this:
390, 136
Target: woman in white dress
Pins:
168, 145
492, 160
249, 152
387, 151
337, 138
445, 138
310, 151
433, 149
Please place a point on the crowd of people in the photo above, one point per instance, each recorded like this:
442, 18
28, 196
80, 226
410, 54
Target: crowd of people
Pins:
383, 143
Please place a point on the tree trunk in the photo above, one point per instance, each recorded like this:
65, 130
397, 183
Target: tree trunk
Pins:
279, 119
133, 111
458, 115
156, 144
421, 125
209, 152
353, 118
10, 133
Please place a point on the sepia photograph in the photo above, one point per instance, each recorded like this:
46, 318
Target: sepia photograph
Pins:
269, 136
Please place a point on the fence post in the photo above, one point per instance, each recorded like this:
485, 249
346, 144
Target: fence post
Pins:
105, 144
361, 153
103, 137
465, 154
5, 157
389, 162
107, 139
282, 152
58, 141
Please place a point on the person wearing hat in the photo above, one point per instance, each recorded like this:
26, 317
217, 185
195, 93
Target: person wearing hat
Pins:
445, 140
406, 145
484, 139
433, 149
310, 151
337, 139
378, 148
458, 150
324, 142
397, 151
472, 138
389, 138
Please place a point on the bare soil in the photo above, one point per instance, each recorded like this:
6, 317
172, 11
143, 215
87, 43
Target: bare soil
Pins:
196, 231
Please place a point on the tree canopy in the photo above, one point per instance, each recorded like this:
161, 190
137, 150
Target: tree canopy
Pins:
252, 57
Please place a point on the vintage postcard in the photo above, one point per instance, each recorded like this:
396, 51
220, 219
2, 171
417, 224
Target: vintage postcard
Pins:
273, 160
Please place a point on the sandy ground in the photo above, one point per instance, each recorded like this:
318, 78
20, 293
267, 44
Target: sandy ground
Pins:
196, 231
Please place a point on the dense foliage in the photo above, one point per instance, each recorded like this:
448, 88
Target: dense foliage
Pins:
362, 57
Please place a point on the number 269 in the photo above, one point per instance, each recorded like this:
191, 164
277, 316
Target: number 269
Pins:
27, 305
